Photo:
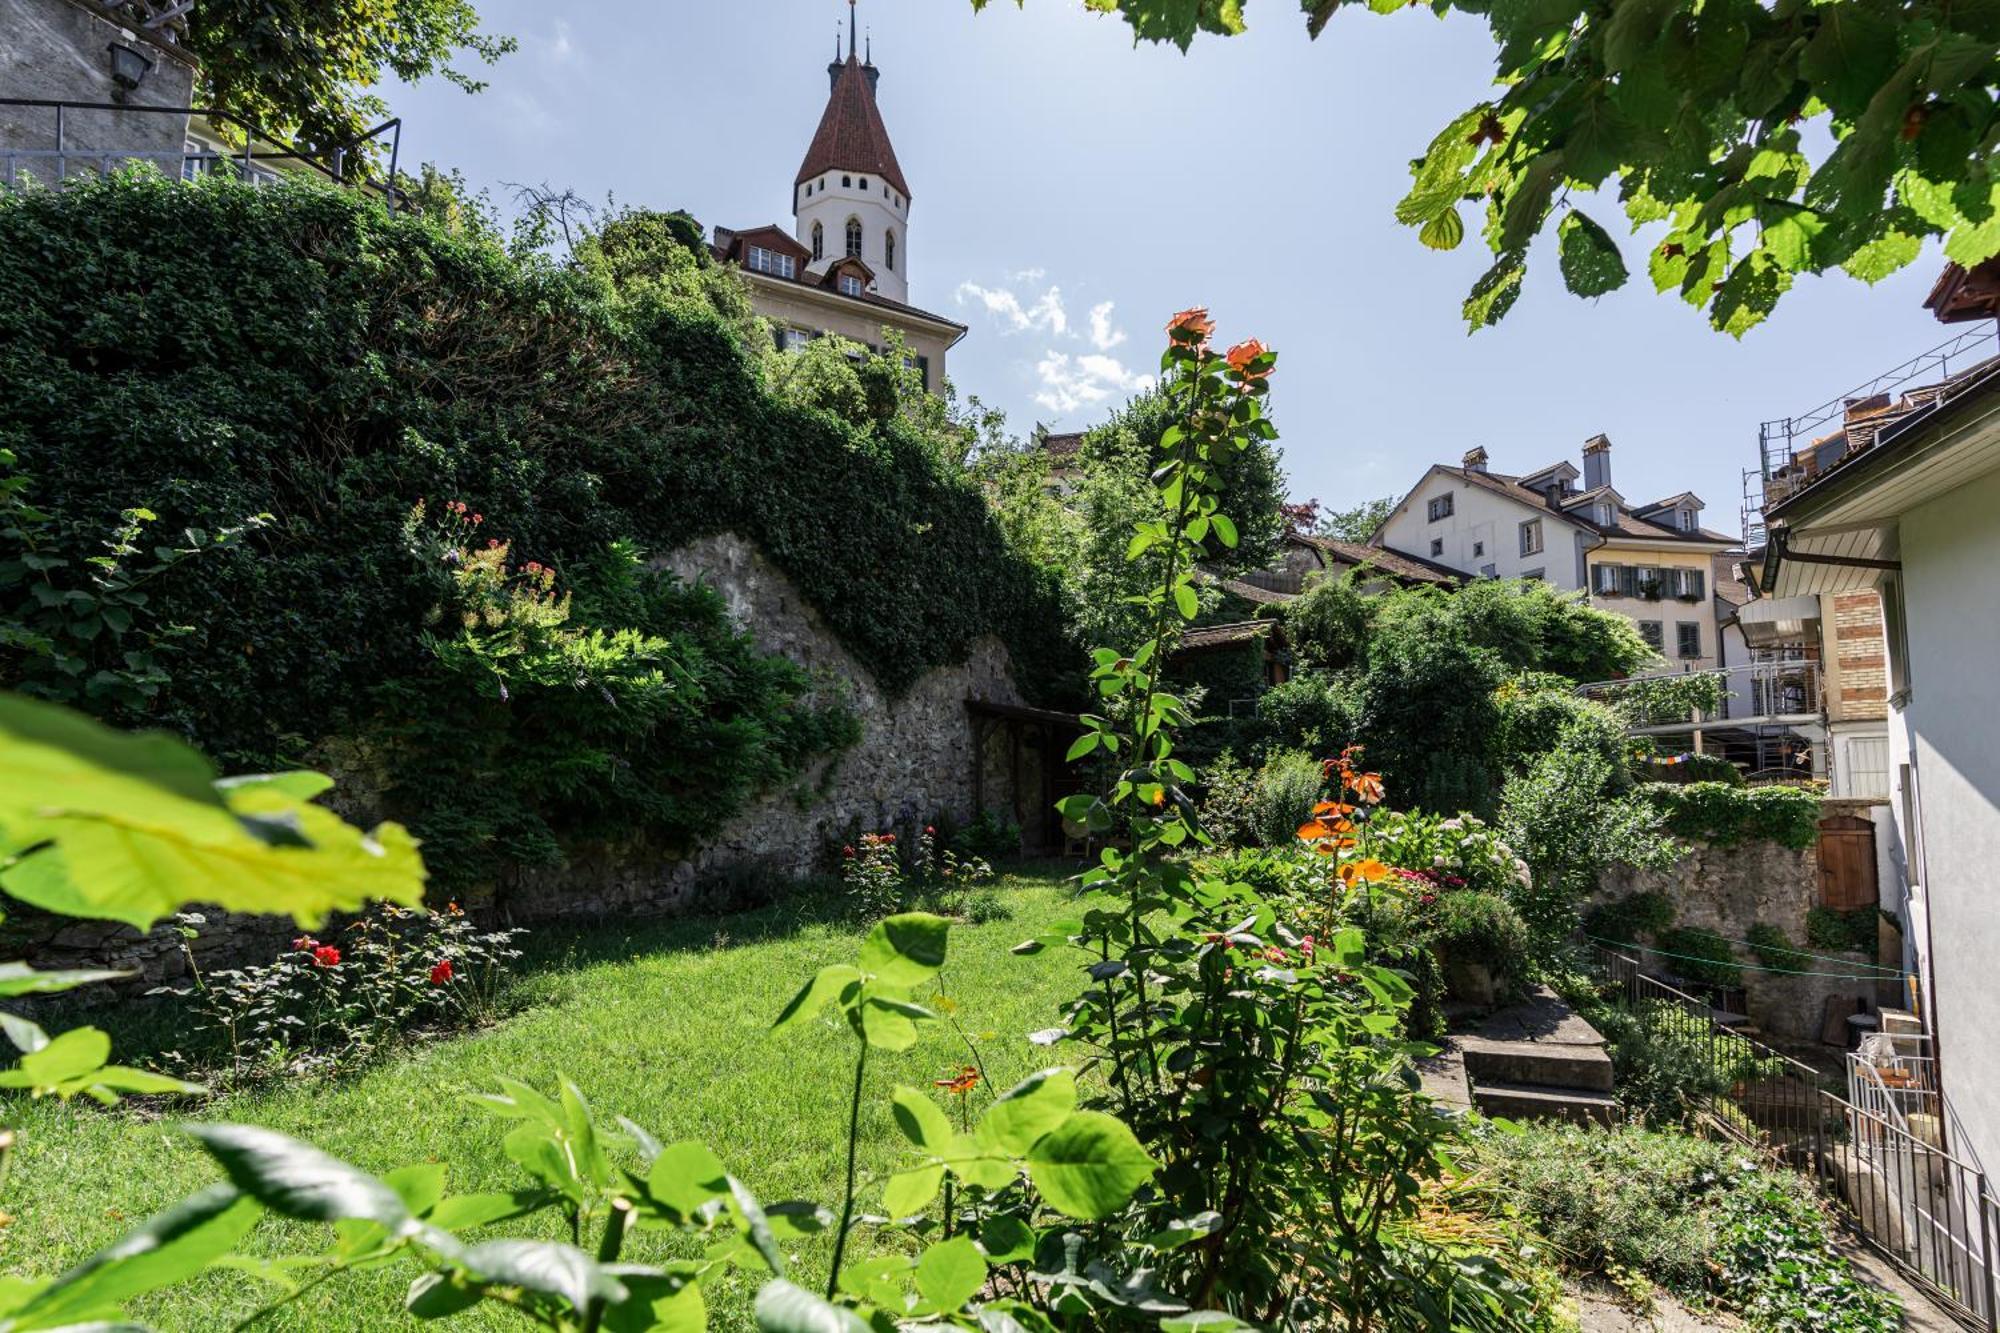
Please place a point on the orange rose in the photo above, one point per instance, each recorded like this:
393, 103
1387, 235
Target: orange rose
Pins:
1242, 359
1191, 326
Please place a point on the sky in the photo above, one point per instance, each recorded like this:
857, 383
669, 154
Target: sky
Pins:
1069, 192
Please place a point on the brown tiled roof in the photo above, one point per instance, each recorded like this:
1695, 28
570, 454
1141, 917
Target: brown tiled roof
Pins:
1400, 564
1961, 294
731, 248
1250, 592
1203, 637
1625, 524
1063, 446
851, 136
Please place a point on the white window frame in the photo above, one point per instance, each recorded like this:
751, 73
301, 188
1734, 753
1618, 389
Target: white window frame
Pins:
1531, 537
1439, 508
851, 285
776, 263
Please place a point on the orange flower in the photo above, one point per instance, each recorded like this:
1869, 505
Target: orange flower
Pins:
1242, 359
1191, 326
960, 1083
1366, 786
1369, 871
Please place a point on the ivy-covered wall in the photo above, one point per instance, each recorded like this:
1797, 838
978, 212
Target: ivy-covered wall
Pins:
214, 353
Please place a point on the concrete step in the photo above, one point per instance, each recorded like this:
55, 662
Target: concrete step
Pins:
1540, 1064
1517, 1101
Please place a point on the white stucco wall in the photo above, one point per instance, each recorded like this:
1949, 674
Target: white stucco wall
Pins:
1948, 730
880, 207
1481, 517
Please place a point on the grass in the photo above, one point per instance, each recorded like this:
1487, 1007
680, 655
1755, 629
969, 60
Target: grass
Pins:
666, 1023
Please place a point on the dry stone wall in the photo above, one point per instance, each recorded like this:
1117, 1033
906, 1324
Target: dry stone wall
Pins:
1728, 890
913, 763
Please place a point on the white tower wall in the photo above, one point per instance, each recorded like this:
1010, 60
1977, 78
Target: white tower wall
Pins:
882, 211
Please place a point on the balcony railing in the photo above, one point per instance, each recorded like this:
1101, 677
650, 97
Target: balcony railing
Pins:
66, 152
1754, 693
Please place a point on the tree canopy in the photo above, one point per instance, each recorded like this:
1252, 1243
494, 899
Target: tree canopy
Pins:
1749, 142
303, 68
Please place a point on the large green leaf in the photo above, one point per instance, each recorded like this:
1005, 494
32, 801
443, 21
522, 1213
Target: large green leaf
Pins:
544, 1266
1089, 1166
783, 1307
950, 1273
685, 1176
906, 950
1590, 262
828, 984
167, 1249
20, 979
1034, 1107
141, 829
921, 1120
297, 1179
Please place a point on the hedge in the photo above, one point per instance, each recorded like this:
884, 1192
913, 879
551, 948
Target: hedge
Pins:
1725, 815
215, 352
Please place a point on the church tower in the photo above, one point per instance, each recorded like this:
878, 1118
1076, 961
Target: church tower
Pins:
850, 198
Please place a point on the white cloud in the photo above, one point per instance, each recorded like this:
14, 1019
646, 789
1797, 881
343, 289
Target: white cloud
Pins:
1067, 378
1073, 383
1042, 313
1103, 334
559, 49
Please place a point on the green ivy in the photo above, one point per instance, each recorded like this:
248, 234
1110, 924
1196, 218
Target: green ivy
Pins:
214, 353
1724, 815
1702, 955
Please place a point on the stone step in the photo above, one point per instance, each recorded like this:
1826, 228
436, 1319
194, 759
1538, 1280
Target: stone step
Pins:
1537, 1063
1516, 1101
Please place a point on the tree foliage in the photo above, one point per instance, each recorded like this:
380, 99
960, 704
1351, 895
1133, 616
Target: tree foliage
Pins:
303, 68
1747, 142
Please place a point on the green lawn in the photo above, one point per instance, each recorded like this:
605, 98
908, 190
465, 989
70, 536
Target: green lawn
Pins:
666, 1023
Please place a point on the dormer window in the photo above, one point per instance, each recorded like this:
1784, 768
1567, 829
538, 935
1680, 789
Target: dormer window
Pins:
1684, 519
850, 284
772, 262
1601, 515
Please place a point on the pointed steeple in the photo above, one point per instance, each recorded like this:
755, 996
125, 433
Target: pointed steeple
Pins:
851, 136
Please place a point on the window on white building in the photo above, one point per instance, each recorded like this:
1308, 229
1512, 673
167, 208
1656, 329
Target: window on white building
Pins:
772, 262
1531, 537
889, 250
864, 182
1437, 547
819, 241
850, 285
1653, 633
1439, 507
1687, 638
1478, 550
854, 238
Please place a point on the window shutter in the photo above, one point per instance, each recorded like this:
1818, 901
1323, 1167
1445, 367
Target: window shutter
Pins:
1695, 585
1628, 580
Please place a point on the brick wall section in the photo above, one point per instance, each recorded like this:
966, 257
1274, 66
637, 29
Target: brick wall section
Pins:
1860, 650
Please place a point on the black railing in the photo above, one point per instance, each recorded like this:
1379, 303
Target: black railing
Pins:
1931, 1213
261, 153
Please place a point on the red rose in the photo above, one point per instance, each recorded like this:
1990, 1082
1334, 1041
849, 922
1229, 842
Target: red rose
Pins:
442, 972
326, 956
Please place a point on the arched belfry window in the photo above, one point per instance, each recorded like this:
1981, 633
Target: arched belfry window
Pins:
854, 237
889, 250
819, 241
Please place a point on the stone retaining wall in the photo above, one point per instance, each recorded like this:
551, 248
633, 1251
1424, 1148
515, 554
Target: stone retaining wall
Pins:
913, 763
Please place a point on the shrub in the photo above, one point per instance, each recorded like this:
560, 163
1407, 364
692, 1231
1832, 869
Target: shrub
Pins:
1285, 872
993, 835
1701, 955
1688, 768
1771, 946
1698, 1217
1631, 920
1287, 786
880, 876
1843, 932
1229, 801
1537, 713
1724, 814
1456, 853
330, 1003
1567, 820
1475, 927
1314, 710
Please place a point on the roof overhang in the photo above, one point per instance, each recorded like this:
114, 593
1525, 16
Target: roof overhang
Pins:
1696, 545
1769, 621
1840, 534
891, 315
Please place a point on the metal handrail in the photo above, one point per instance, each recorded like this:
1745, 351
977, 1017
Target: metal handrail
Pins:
334, 166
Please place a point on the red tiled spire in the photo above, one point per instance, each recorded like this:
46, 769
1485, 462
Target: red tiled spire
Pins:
851, 136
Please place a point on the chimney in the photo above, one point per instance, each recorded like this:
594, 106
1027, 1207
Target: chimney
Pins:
1596, 462
1475, 459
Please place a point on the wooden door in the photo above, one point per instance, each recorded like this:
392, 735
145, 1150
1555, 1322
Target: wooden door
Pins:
1846, 863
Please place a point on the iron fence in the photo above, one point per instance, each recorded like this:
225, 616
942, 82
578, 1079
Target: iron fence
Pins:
263, 156
1883, 1151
